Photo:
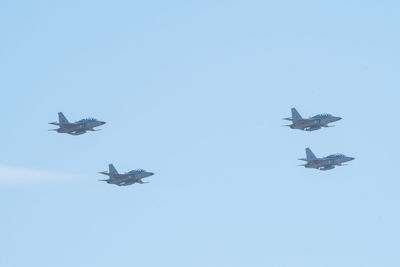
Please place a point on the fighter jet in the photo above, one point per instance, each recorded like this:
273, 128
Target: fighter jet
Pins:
310, 124
75, 128
324, 164
128, 178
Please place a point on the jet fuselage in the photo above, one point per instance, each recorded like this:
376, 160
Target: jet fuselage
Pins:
80, 126
328, 163
128, 178
313, 123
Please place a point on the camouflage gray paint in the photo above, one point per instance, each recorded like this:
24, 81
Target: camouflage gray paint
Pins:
128, 178
75, 128
311, 124
326, 163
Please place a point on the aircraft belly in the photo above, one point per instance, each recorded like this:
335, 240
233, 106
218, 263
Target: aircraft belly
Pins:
72, 129
66, 130
322, 163
126, 180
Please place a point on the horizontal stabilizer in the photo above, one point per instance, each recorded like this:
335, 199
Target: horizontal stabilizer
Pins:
312, 160
106, 173
105, 180
112, 175
64, 124
299, 120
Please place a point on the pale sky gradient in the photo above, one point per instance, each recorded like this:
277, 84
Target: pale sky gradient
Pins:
195, 91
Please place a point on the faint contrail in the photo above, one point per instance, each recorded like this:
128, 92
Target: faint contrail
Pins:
9, 174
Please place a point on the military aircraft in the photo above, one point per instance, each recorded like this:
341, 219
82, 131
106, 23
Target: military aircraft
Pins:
324, 164
310, 124
128, 178
75, 128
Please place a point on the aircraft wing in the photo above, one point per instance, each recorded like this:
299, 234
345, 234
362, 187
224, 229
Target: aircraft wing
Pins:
64, 124
112, 174
305, 120
299, 120
309, 160
314, 160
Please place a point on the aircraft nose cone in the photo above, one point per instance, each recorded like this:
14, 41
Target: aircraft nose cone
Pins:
102, 122
350, 158
338, 118
151, 173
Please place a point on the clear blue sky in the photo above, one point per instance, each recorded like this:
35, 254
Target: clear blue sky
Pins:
195, 92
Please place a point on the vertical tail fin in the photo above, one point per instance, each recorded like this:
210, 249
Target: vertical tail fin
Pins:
62, 119
111, 169
310, 154
295, 114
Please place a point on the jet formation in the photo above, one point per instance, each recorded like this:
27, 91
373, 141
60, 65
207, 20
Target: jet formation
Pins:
310, 124
125, 179
135, 176
84, 125
75, 128
326, 163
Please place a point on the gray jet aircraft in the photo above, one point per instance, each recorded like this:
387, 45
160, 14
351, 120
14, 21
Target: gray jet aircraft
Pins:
75, 128
310, 124
128, 178
324, 164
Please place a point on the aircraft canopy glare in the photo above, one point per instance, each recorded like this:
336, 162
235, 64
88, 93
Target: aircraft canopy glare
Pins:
137, 170
322, 116
336, 156
86, 120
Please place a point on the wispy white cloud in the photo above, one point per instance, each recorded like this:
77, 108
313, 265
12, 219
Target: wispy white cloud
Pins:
9, 174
